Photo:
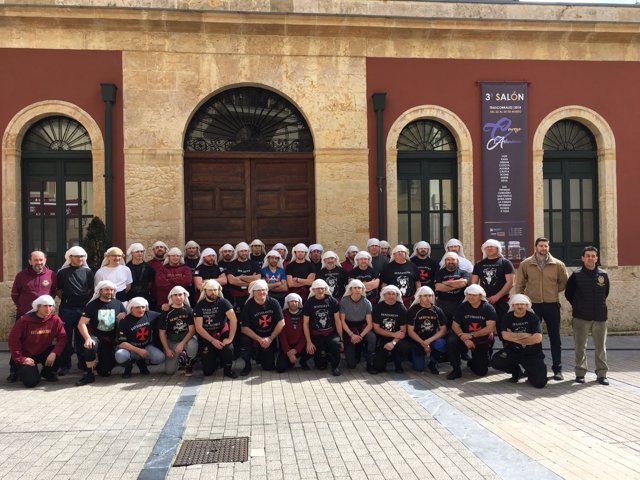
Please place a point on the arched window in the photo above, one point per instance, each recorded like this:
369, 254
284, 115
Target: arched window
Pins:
570, 189
249, 170
57, 199
427, 186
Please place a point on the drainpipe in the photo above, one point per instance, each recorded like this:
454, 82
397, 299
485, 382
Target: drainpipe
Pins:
378, 107
109, 98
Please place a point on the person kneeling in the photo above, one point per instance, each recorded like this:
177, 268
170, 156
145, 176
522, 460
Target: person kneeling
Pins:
522, 339
292, 342
176, 331
390, 325
427, 325
134, 339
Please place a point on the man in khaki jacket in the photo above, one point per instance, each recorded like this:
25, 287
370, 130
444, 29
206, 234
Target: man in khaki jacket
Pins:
542, 277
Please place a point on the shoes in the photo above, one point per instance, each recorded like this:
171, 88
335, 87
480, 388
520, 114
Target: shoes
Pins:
603, 381
433, 368
455, 373
86, 379
579, 379
142, 365
229, 373
304, 365
50, 376
127, 371
336, 372
517, 375
246, 370
12, 378
63, 371
558, 376
371, 369
399, 369
188, 371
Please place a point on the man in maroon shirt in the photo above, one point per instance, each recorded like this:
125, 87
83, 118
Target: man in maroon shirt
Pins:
37, 337
35, 280
292, 341
174, 272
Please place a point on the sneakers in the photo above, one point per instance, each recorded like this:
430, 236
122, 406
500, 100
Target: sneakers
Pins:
246, 370
558, 376
579, 378
188, 371
86, 379
230, 373
12, 378
433, 368
127, 371
49, 376
336, 372
603, 381
455, 373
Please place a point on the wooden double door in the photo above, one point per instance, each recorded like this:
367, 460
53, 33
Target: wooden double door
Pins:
234, 197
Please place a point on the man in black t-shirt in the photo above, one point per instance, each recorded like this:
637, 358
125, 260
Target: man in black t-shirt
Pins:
390, 326
451, 281
403, 274
261, 323
427, 266
365, 272
142, 273
333, 274
208, 268
300, 271
240, 273
177, 332
97, 327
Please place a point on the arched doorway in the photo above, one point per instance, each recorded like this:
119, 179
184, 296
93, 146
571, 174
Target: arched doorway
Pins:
427, 185
249, 170
57, 187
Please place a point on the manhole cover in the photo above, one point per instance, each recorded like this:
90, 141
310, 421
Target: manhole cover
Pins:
222, 450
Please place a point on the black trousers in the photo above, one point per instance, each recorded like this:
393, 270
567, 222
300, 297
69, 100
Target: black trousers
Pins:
103, 351
550, 313
352, 353
326, 346
211, 356
29, 375
265, 357
283, 364
509, 360
449, 308
399, 353
479, 363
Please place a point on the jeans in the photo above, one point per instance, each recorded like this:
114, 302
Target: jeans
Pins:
438, 349
171, 364
124, 356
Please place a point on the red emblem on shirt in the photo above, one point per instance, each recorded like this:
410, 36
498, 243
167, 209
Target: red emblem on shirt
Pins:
265, 320
142, 334
474, 327
424, 275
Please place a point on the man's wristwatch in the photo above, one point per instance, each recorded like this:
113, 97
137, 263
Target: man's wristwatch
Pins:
471, 334
394, 342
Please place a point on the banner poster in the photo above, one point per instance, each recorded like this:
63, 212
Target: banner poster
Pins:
506, 167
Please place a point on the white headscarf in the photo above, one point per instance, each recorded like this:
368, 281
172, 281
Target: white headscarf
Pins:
391, 288
179, 289
400, 248
319, 283
272, 253
420, 244
257, 241
159, 243
316, 246
191, 243
227, 247
363, 254
329, 254
205, 253
423, 291
112, 251
210, 284
355, 283
453, 255
520, 298
491, 243
103, 284
300, 247
384, 244
452, 242
135, 247
240, 246
137, 302
174, 251
475, 289
75, 251
350, 248
292, 297
258, 285
282, 246
42, 300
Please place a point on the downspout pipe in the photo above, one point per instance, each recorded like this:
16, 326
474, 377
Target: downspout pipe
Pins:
109, 98
379, 100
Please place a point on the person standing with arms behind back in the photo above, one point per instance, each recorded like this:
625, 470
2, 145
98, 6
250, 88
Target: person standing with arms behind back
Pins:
587, 292
542, 277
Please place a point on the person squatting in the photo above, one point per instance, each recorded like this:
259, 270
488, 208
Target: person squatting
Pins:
310, 309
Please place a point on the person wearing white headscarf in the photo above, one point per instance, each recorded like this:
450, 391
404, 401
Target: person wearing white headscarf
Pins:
273, 273
385, 249
496, 275
142, 273
38, 337
291, 338
258, 251
454, 245
135, 338
402, 273
390, 326
76, 282
216, 325
240, 273
315, 256
159, 250
332, 273
364, 272
174, 272
427, 327
427, 266
176, 330
473, 326
378, 261
522, 344
192, 254
350, 258
114, 269
226, 252
322, 327
207, 268
97, 327
300, 272
262, 322
357, 325
282, 249
451, 280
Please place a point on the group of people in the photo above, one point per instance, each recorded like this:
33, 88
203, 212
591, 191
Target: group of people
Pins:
382, 305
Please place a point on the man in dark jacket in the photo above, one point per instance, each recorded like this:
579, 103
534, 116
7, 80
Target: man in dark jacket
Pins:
587, 291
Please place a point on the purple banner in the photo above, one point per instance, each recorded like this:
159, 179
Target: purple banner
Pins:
506, 167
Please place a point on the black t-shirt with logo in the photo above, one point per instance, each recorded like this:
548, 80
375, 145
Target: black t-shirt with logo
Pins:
262, 319
366, 276
444, 275
336, 279
472, 319
402, 275
321, 314
426, 321
207, 271
102, 318
299, 270
492, 274
176, 322
427, 269
237, 269
214, 315
137, 330
530, 323
390, 317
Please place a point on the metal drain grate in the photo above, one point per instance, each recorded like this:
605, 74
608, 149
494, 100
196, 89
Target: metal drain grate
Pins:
222, 450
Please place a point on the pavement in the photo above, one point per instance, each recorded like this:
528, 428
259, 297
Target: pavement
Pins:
311, 425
